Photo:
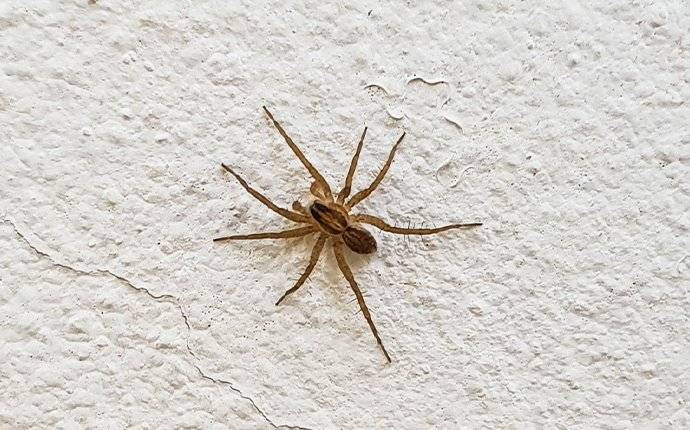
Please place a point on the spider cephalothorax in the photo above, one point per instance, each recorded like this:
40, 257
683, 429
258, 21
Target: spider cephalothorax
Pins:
332, 218
329, 216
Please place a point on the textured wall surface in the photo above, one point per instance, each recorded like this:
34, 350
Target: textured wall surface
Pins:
564, 128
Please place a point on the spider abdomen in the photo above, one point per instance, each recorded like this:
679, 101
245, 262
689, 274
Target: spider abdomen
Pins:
332, 218
359, 240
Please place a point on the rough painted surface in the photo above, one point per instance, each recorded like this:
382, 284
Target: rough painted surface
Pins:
564, 128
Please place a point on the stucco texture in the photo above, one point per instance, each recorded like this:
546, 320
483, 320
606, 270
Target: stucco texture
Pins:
563, 128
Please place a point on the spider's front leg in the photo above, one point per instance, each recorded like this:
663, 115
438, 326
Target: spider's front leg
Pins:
292, 216
357, 198
345, 192
319, 179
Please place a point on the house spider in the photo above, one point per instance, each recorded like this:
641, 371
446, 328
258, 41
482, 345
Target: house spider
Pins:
329, 216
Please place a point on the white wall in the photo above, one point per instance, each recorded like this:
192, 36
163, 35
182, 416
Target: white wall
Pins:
564, 128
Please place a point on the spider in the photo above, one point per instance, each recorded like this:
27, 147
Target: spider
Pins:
328, 216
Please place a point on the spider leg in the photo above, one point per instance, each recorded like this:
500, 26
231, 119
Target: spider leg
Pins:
381, 224
313, 259
365, 193
317, 190
286, 234
342, 195
297, 207
292, 216
345, 268
312, 170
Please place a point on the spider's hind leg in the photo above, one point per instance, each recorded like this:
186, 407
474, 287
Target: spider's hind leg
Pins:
382, 225
345, 268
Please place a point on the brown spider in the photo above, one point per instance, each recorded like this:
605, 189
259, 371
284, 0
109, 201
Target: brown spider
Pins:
330, 217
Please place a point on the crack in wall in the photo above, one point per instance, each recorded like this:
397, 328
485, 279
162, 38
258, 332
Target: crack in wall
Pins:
163, 298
